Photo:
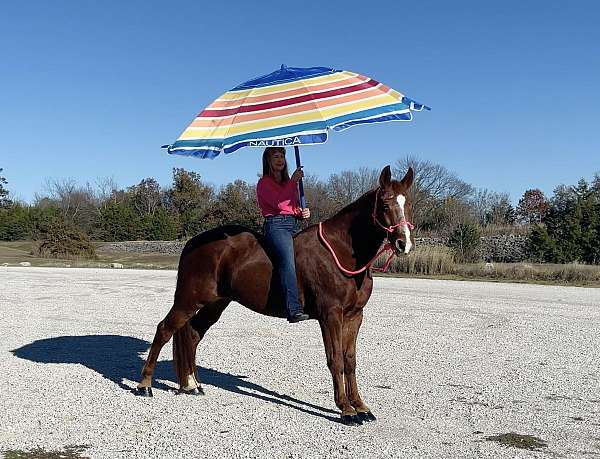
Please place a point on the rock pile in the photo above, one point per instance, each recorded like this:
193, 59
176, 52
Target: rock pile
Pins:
506, 248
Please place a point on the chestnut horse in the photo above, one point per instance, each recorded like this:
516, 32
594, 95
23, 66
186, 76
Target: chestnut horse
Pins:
231, 263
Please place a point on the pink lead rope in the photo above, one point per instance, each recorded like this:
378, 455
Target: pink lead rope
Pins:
386, 247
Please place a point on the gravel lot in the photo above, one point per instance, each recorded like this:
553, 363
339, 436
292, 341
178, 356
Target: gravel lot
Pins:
442, 364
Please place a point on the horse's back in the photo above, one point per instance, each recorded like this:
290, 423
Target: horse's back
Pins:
227, 262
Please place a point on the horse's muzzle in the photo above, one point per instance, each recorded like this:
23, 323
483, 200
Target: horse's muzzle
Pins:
402, 247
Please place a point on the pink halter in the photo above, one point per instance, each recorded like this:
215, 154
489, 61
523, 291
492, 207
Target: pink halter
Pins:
386, 247
389, 229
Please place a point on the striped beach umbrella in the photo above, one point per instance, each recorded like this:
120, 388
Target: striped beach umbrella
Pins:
291, 107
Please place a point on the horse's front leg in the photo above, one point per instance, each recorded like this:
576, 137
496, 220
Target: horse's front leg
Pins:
331, 328
352, 324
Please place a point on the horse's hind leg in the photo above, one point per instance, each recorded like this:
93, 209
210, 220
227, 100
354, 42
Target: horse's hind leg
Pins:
185, 343
175, 319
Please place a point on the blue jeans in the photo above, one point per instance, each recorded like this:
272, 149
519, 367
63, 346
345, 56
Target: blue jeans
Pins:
279, 230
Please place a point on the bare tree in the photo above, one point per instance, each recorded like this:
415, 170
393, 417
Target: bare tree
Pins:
69, 196
77, 203
317, 199
492, 208
347, 186
106, 190
432, 185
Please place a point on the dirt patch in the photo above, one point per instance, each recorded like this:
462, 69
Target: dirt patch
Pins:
518, 441
69, 452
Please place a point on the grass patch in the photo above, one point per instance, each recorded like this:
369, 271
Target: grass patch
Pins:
12, 253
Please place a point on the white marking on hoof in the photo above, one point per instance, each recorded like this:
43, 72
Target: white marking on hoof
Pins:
191, 383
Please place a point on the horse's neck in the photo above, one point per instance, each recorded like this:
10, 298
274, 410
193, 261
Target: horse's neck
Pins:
354, 230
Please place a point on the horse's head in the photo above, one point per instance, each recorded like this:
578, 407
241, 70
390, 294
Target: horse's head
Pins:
393, 209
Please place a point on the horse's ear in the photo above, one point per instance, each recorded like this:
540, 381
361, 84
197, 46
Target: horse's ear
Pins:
408, 178
386, 177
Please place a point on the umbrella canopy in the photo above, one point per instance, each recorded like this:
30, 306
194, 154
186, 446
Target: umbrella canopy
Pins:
290, 107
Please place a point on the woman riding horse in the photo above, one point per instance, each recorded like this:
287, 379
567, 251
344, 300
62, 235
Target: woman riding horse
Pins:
232, 263
277, 195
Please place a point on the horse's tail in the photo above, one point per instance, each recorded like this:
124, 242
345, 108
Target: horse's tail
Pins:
185, 342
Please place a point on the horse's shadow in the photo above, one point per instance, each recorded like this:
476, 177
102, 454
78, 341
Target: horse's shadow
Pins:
117, 358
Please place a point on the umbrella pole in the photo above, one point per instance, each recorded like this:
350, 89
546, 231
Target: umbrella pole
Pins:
300, 184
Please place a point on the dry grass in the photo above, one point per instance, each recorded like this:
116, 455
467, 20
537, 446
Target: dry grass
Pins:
439, 261
572, 273
427, 261
488, 230
495, 230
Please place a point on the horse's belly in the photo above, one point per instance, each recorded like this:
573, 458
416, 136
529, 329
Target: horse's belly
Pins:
253, 285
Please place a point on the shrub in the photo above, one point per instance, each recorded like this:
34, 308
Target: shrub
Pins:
466, 241
62, 241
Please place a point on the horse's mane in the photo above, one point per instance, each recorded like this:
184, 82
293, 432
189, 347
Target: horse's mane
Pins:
354, 204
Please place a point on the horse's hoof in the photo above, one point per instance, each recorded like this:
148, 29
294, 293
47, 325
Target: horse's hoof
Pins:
351, 420
195, 391
143, 391
366, 416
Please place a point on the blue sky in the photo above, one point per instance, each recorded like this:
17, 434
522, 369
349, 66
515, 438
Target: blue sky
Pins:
93, 89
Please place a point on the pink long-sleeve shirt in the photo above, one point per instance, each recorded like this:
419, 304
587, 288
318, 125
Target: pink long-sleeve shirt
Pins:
277, 199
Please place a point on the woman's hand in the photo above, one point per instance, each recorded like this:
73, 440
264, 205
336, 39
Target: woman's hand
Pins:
297, 175
305, 213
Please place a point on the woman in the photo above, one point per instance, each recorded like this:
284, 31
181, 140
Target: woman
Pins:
277, 195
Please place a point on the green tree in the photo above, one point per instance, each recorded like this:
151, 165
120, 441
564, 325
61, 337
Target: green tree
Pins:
15, 222
541, 246
4, 201
192, 201
42, 217
236, 204
118, 222
533, 206
145, 197
159, 226
572, 227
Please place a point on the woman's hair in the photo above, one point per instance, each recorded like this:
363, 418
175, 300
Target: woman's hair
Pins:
266, 160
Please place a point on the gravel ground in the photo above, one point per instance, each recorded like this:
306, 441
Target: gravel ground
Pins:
442, 364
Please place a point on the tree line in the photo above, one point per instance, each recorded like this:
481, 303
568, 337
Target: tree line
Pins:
564, 228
